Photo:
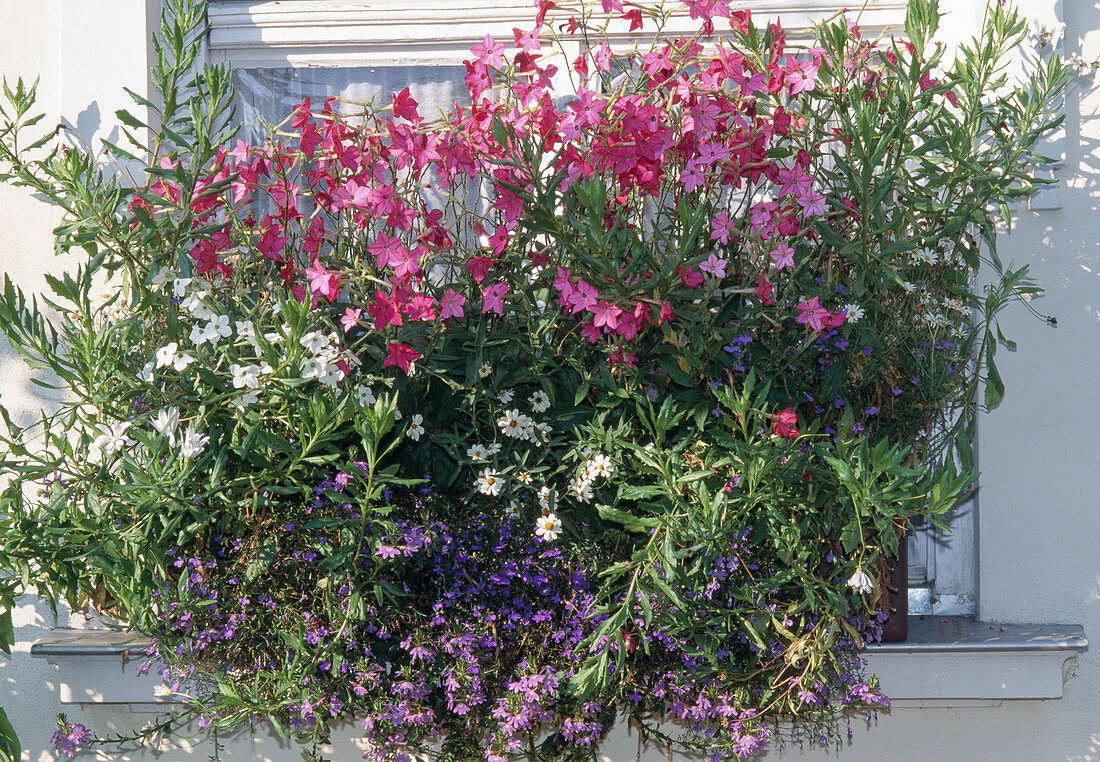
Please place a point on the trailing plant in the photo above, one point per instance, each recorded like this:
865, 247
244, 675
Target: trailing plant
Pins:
623, 419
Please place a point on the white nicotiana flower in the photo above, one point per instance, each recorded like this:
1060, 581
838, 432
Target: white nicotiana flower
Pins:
315, 341
312, 368
199, 336
265, 369
331, 376
247, 332
485, 370
477, 452
506, 396
182, 360
489, 482
147, 375
166, 422
111, 440
860, 582
192, 444
416, 427
539, 401
853, 312
248, 376
599, 466
273, 337
179, 287
365, 395
166, 355
244, 401
548, 527
218, 328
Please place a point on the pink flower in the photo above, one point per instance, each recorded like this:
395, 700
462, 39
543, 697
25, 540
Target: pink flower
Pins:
689, 277
384, 311
493, 298
479, 267
784, 422
499, 240
764, 291
488, 52
714, 266
450, 306
813, 313
350, 318
323, 282
783, 256
401, 355
584, 297
720, 227
404, 106
605, 315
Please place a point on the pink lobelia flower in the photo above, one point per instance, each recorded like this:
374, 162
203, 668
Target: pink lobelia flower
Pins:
813, 313
493, 298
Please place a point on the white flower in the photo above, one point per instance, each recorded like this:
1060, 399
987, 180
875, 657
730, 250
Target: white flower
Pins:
494, 448
197, 307
182, 360
111, 440
247, 332
147, 374
484, 370
166, 422
860, 582
248, 376
548, 527
315, 341
244, 401
265, 369
489, 482
273, 337
539, 401
179, 287
581, 490
161, 691
909, 287
416, 427
199, 336
506, 396
853, 312
331, 375
193, 443
516, 424
312, 368
600, 465
166, 355
218, 328
365, 395
397, 414
512, 511
477, 452
547, 499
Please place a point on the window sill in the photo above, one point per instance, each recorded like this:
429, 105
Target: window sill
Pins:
947, 661
957, 661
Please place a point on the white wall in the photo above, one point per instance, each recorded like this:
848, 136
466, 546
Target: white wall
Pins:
1039, 512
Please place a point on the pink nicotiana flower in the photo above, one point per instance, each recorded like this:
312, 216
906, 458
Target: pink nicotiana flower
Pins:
450, 306
720, 227
401, 355
783, 256
811, 312
714, 265
323, 282
493, 298
350, 318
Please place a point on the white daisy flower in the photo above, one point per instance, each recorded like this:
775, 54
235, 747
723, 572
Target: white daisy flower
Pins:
365, 395
193, 443
489, 482
600, 466
485, 370
512, 511
416, 427
494, 448
548, 527
539, 401
511, 424
111, 440
853, 312
477, 452
581, 490
506, 396
548, 499
166, 422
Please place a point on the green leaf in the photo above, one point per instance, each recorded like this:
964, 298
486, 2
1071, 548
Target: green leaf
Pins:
9, 741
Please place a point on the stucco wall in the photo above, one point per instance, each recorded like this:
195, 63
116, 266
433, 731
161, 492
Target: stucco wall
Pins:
1039, 518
